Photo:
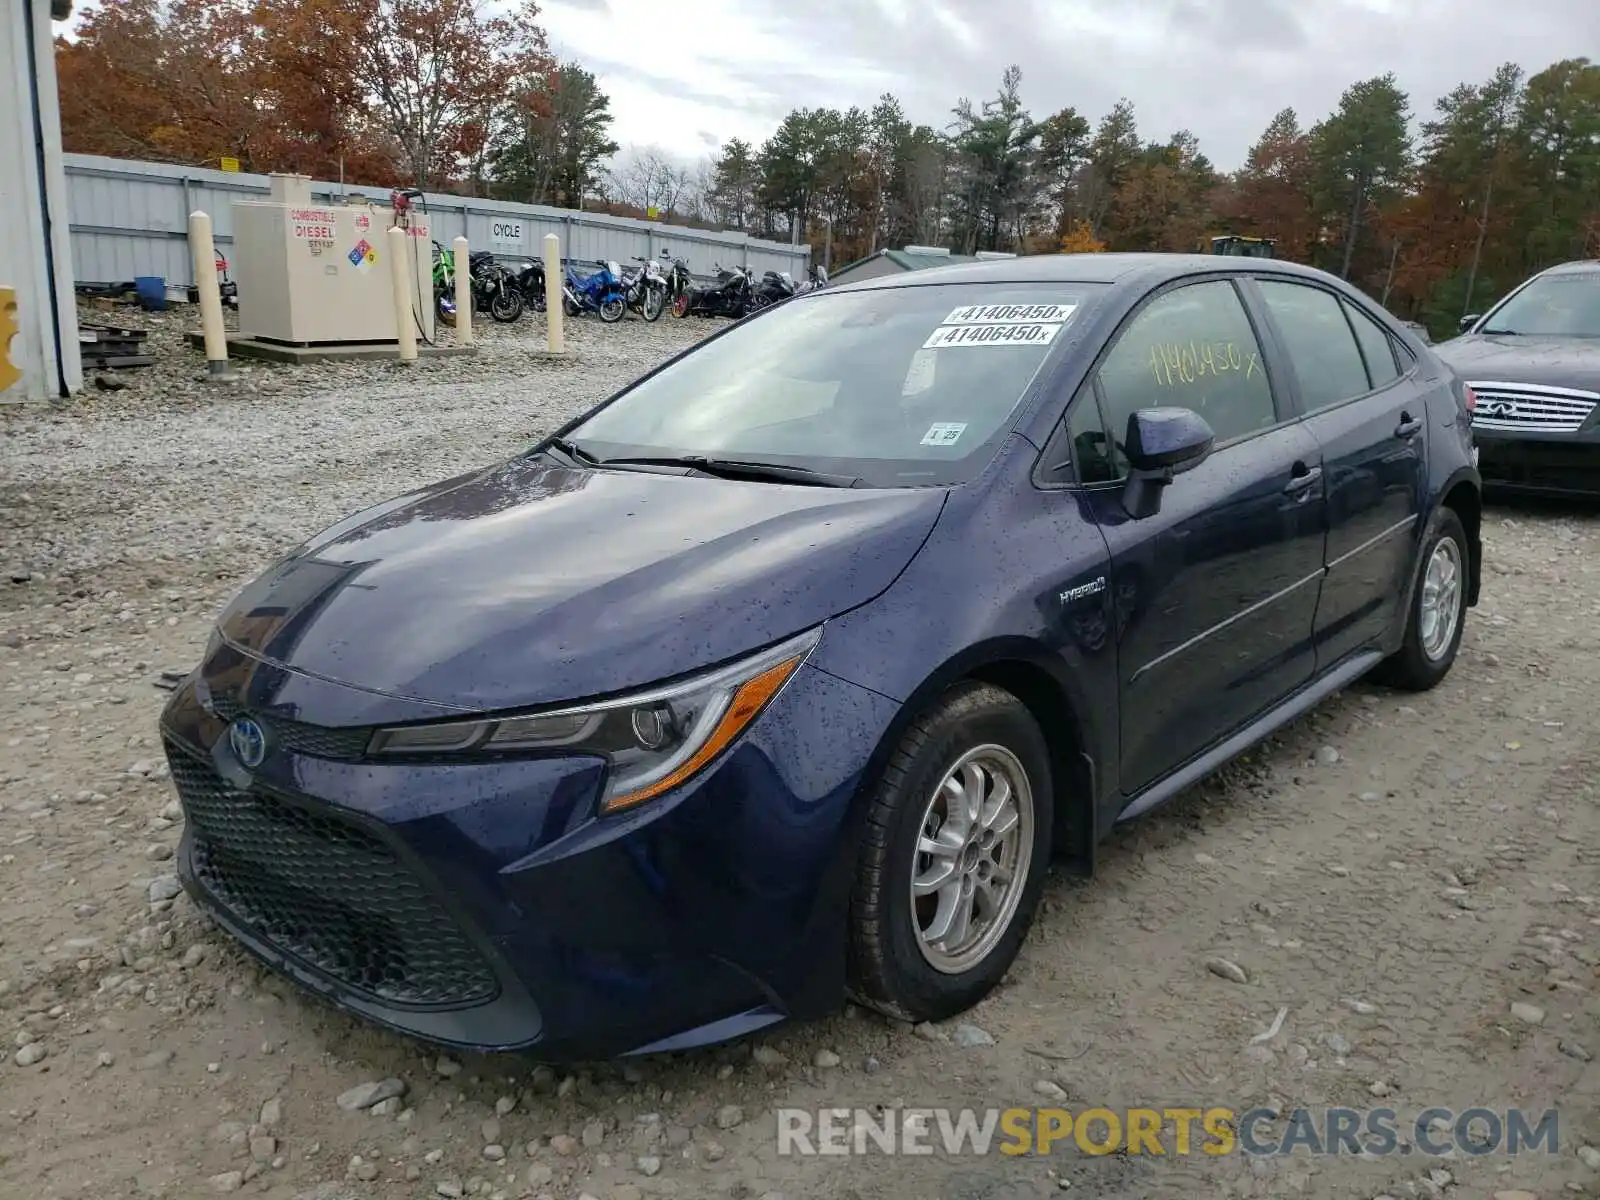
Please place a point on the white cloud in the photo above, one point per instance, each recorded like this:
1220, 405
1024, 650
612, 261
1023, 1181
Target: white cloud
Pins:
685, 74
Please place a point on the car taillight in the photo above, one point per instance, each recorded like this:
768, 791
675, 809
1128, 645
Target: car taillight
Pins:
1470, 397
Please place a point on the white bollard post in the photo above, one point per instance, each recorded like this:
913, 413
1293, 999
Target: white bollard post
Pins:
404, 320
554, 309
463, 259
202, 249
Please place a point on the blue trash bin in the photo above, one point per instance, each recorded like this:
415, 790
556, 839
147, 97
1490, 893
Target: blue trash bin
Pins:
152, 291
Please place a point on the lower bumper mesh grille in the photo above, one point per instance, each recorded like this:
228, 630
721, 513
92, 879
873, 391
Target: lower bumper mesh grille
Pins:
318, 887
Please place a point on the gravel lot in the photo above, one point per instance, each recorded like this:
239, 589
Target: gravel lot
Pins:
1397, 873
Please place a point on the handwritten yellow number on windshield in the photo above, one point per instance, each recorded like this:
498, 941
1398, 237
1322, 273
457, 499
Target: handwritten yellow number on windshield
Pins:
1174, 363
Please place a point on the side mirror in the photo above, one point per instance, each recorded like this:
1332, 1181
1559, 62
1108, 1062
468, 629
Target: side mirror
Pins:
1469, 321
1161, 444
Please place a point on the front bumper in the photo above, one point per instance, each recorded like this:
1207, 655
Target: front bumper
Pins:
484, 906
1551, 464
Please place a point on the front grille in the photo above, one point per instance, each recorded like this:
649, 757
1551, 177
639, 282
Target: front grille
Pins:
1553, 466
326, 891
315, 740
1531, 407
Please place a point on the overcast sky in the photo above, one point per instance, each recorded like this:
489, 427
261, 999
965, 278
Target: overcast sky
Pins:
687, 76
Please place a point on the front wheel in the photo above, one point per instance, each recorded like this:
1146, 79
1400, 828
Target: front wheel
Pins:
953, 859
613, 309
1438, 613
680, 304
654, 302
506, 305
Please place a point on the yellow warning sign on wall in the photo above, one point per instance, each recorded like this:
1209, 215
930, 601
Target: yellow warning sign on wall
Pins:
9, 371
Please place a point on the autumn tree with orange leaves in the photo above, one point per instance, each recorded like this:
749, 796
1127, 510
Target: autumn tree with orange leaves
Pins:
377, 90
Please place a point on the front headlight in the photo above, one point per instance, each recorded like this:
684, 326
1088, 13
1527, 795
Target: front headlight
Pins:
654, 740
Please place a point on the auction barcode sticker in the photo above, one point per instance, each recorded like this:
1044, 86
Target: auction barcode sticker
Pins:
1031, 333
1008, 314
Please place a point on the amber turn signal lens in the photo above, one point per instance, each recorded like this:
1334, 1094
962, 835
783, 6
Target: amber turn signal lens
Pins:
747, 703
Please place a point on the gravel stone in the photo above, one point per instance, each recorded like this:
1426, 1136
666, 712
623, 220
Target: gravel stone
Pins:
365, 1095
1528, 1014
1224, 968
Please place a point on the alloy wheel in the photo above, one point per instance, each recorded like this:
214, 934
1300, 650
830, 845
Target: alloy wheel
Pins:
972, 858
1441, 599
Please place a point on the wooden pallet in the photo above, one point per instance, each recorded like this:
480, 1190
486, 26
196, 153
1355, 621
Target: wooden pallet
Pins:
117, 362
111, 347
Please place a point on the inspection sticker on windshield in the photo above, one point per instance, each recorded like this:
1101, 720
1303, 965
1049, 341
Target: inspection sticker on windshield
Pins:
1008, 314
1016, 333
945, 433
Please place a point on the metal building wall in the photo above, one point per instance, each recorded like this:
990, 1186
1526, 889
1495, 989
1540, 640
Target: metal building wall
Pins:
130, 219
35, 255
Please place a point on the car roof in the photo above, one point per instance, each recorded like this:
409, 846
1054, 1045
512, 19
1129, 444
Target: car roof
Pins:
1153, 268
1586, 266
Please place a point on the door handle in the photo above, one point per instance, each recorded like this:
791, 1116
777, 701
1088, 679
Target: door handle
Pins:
1408, 427
1302, 477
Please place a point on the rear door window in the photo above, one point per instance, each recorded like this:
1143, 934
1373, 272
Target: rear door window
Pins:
1320, 344
1377, 347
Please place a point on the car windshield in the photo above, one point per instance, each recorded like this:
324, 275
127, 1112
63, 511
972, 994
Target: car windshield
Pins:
1554, 306
894, 387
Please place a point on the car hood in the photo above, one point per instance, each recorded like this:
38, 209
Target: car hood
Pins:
529, 583
1498, 358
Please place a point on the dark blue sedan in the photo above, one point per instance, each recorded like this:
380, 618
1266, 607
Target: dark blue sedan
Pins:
781, 675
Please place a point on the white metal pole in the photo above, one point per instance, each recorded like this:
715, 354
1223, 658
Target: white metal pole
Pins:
404, 330
203, 250
463, 257
553, 277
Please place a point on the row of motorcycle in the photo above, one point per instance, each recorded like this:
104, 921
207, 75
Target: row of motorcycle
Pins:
610, 291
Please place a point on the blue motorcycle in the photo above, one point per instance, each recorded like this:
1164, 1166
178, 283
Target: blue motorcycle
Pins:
600, 292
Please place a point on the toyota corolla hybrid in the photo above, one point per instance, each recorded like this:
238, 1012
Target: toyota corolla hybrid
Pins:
781, 675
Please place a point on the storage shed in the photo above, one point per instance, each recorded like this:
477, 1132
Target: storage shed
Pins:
910, 258
35, 243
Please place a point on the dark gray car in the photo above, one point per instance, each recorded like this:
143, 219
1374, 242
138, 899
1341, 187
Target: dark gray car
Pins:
1533, 362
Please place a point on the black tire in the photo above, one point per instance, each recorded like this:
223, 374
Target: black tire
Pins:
655, 303
888, 970
1412, 668
506, 306
613, 310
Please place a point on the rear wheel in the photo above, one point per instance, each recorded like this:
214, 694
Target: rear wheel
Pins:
953, 860
1438, 611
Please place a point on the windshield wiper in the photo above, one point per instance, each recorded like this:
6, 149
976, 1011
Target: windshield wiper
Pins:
573, 451
1500, 332
738, 468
